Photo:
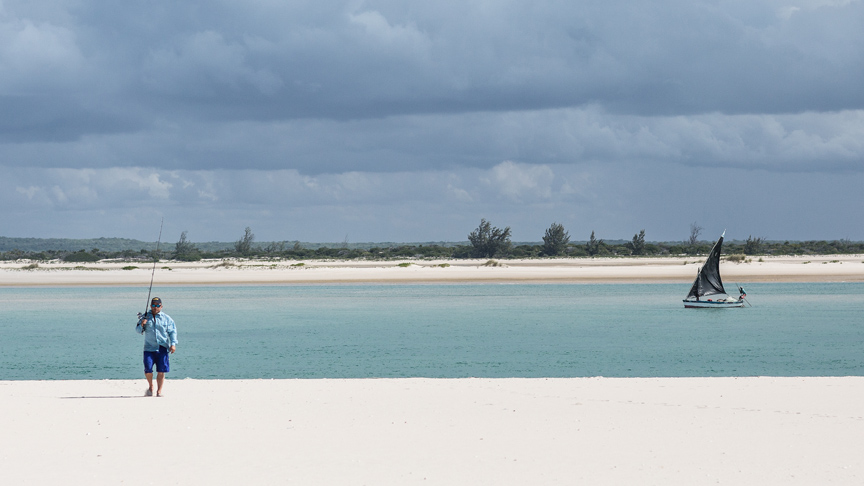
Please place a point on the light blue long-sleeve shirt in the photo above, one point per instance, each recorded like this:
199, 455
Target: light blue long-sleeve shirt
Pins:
160, 330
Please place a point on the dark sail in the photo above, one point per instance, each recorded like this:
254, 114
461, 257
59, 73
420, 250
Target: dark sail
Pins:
708, 281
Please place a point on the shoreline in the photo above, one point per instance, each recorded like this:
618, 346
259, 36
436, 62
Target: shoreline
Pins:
506, 431
830, 268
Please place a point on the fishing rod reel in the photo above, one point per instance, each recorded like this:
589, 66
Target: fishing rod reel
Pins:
152, 274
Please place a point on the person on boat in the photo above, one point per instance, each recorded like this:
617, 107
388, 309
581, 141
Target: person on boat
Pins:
160, 339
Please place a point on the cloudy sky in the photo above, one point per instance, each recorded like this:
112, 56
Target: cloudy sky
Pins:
409, 121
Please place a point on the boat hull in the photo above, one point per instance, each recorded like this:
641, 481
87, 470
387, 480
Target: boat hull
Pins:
712, 304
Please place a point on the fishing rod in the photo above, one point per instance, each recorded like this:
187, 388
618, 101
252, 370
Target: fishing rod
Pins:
153, 274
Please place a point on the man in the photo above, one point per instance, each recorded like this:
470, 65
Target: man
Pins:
160, 338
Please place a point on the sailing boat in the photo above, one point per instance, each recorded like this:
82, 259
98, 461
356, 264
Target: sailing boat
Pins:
708, 283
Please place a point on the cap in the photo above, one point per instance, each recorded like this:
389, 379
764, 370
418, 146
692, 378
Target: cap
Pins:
156, 301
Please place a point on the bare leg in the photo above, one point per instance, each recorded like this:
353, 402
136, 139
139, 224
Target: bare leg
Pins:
149, 383
160, 380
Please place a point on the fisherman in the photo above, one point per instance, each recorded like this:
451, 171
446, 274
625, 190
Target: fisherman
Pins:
160, 338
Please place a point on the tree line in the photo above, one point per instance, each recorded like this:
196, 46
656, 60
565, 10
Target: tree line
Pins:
485, 241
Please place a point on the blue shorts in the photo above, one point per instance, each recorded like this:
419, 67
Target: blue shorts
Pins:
159, 358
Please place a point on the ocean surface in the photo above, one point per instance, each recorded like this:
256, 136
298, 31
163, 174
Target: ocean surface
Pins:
440, 331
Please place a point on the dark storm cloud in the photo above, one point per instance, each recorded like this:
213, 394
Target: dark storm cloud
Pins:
344, 60
373, 59
795, 142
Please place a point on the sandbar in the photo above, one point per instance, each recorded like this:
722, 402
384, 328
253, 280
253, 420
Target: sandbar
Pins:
831, 268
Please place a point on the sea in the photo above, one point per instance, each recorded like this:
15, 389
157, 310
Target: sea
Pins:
435, 331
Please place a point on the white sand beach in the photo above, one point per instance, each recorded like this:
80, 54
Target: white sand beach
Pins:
665, 431
833, 268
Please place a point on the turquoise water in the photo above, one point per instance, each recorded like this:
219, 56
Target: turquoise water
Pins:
447, 331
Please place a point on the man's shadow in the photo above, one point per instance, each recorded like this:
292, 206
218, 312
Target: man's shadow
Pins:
108, 396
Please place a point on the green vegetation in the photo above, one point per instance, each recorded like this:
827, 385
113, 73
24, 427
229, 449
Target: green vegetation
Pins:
555, 240
185, 251
485, 241
753, 246
695, 231
637, 245
488, 241
594, 246
81, 256
244, 244
52, 245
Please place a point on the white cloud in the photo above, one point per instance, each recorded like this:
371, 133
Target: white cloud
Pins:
70, 189
30, 191
36, 56
793, 7
521, 181
395, 36
459, 194
614, 199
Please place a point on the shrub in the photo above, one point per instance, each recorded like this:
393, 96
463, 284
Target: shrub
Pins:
81, 256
